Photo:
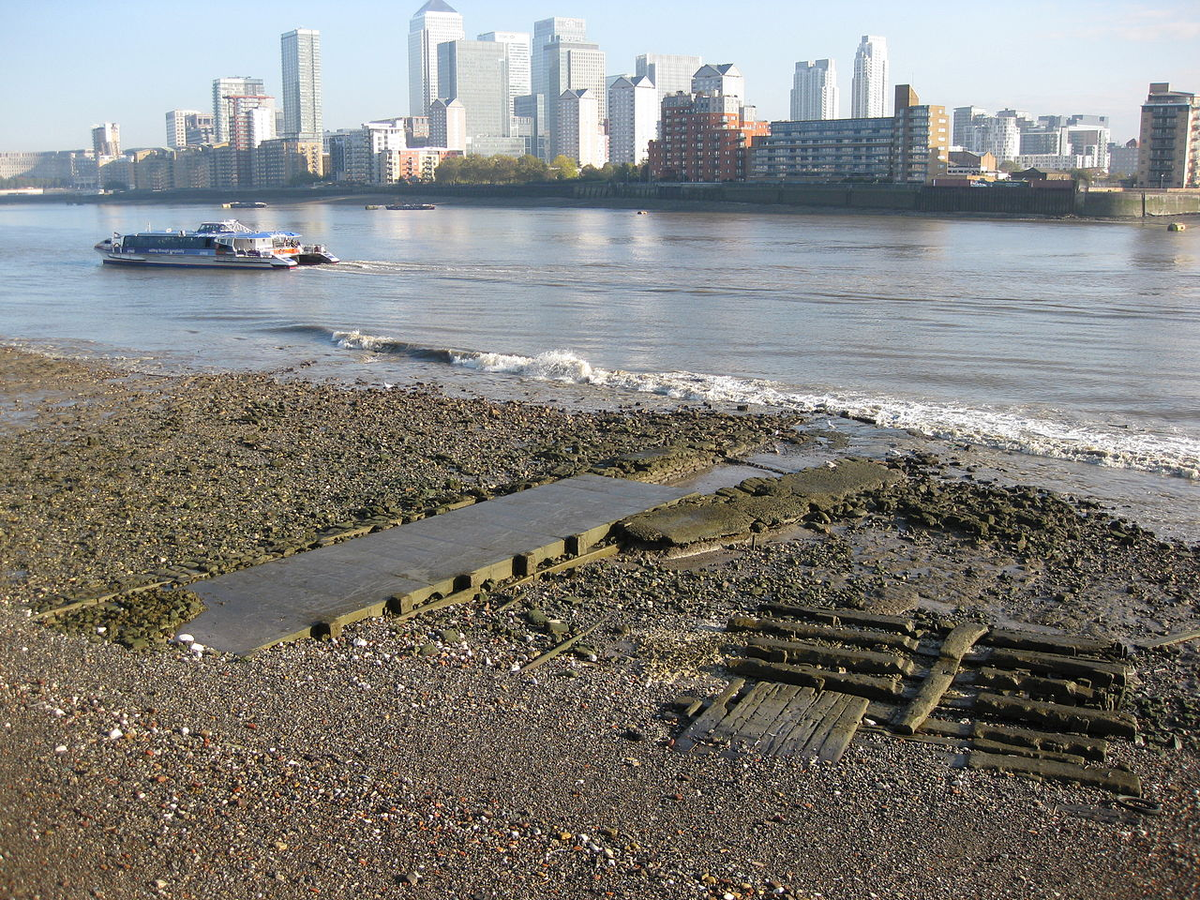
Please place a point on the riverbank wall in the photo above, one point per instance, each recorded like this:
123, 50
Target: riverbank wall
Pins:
997, 201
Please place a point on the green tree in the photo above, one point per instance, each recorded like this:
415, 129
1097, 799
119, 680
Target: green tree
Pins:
529, 169
564, 168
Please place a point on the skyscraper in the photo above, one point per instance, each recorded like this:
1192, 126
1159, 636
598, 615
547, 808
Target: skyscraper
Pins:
106, 139
573, 66
476, 73
814, 91
544, 32
868, 91
300, 52
670, 74
520, 62
434, 23
224, 88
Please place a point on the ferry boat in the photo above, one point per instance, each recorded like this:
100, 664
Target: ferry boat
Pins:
227, 244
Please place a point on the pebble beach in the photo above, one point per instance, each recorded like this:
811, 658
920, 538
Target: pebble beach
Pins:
415, 758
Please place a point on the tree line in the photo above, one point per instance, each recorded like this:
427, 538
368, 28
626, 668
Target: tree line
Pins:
529, 169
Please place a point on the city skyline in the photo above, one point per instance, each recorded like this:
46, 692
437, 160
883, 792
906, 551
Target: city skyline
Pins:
1094, 58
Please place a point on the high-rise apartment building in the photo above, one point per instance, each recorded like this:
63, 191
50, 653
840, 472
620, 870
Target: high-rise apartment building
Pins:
434, 23
573, 66
300, 53
815, 91
725, 80
1170, 139
177, 127
448, 125
580, 136
869, 88
106, 139
705, 137
670, 74
520, 60
548, 31
223, 90
633, 113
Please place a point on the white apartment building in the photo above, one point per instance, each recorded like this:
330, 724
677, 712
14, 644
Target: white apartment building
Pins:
869, 87
815, 91
177, 127
300, 55
580, 135
434, 23
724, 80
633, 114
448, 125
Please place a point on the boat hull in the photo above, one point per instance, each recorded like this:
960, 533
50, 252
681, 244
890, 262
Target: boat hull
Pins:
199, 262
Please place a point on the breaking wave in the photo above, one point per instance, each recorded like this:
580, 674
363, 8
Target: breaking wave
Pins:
1042, 432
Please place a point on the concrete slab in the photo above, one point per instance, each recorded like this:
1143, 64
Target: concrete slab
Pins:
282, 599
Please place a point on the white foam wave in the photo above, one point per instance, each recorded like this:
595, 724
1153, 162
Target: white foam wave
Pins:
1042, 433
356, 340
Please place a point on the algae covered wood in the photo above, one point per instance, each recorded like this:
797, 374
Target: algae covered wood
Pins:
401, 566
941, 675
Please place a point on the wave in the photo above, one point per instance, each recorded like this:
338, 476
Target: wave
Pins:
1046, 433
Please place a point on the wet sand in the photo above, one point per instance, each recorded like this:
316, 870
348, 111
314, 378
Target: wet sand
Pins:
409, 759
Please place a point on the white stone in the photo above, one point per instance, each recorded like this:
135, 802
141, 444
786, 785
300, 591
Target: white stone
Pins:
115, 733
184, 638
197, 648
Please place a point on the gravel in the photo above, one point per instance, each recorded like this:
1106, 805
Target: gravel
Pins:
414, 758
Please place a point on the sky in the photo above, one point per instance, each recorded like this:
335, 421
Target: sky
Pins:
70, 65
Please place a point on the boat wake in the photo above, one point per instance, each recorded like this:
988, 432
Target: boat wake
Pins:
1040, 432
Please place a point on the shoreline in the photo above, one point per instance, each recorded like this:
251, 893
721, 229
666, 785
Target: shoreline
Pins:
555, 196
407, 758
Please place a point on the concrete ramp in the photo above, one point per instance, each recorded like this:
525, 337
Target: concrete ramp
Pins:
403, 567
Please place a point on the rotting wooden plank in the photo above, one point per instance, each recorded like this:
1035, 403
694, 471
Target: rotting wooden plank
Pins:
867, 638
875, 687
1039, 687
940, 677
560, 648
732, 724
711, 716
1100, 673
796, 710
866, 662
843, 730
1178, 637
988, 746
1117, 780
824, 727
798, 737
752, 729
1056, 715
1092, 748
836, 617
1062, 644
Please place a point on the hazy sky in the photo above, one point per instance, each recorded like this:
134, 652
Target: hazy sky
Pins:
68, 65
